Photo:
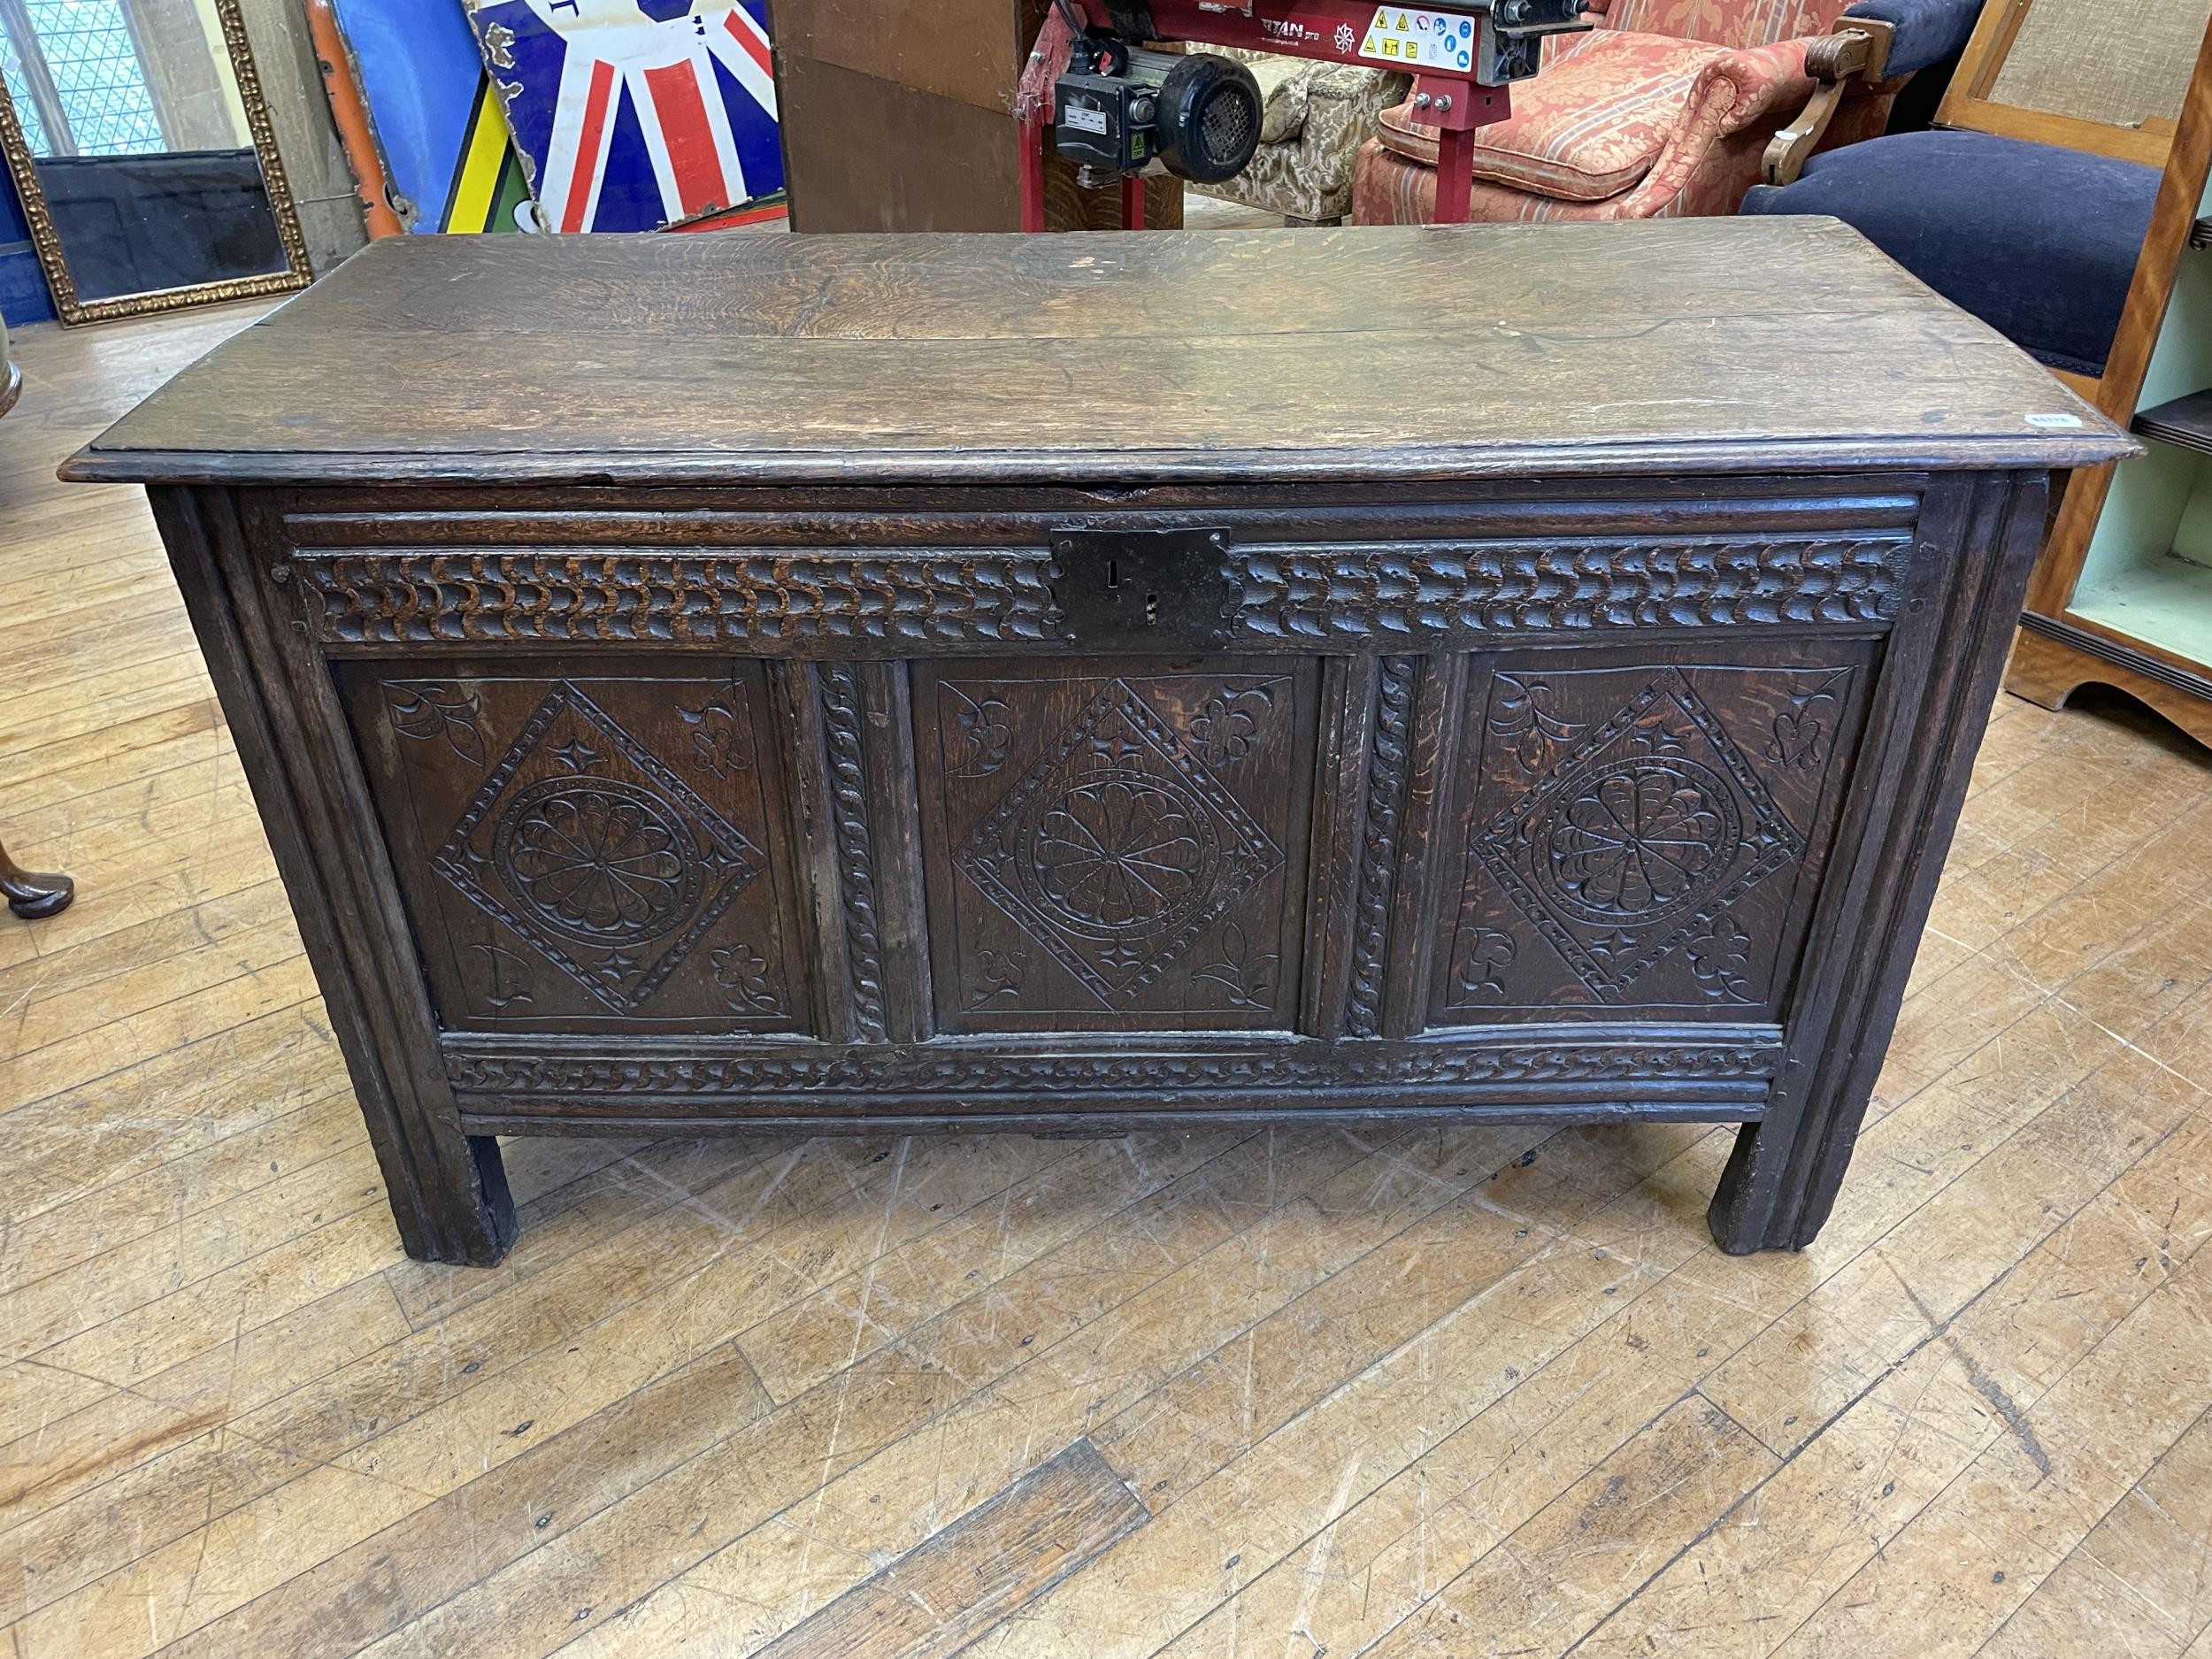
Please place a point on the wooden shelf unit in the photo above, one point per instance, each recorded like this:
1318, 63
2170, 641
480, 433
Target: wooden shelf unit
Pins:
2184, 422
2122, 595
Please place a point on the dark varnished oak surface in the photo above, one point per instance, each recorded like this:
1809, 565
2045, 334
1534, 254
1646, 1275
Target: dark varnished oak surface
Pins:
1354, 353
1078, 682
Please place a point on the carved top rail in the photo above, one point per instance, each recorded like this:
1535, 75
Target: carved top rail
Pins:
1283, 594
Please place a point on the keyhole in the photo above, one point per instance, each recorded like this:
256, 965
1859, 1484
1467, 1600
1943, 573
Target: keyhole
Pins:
1151, 610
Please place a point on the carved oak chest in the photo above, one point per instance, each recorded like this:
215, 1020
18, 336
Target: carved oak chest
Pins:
694, 683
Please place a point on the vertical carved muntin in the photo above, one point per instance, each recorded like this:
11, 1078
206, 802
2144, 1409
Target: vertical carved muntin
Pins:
846, 755
1388, 756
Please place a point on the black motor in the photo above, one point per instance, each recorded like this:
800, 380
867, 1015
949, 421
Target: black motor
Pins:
1118, 107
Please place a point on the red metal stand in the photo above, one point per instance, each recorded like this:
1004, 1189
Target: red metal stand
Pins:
1329, 30
1034, 124
1133, 200
1455, 173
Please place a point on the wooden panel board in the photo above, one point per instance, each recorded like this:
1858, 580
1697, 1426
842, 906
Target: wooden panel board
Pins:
592, 852
872, 152
869, 154
1631, 835
1197, 355
940, 1597
1117, 845
970, 50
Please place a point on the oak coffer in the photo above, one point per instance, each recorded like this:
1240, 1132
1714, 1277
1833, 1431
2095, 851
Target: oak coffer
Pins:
1072, 682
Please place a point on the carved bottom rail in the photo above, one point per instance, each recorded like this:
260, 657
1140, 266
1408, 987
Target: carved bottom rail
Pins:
1739, 1063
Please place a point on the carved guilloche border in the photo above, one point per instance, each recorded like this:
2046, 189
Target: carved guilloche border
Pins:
1305, 594
1437, 589
988, 1069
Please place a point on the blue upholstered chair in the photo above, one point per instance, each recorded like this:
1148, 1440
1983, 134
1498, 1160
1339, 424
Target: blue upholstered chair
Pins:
2038, 242
2038, 239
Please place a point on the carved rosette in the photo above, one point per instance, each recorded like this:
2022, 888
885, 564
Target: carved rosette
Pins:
1639, 836
1117, 848
583, 843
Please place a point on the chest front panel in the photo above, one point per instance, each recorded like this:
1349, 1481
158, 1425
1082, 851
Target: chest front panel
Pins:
698, 805
1641, 830
1116, 844
590, 846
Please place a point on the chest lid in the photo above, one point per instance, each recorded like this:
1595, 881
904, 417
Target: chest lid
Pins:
1707, 345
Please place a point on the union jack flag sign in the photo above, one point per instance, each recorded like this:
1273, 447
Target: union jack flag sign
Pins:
633, 114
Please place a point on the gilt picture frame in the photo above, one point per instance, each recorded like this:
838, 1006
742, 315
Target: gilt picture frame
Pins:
69, 307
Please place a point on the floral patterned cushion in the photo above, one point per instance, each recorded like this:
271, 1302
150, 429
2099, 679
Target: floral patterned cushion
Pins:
1307, 173
1587, 128
1724, 22
1630, 124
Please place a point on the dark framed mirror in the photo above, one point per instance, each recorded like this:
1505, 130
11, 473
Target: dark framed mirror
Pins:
139, 140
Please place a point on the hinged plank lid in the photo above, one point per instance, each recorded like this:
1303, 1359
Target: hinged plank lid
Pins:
1678, 346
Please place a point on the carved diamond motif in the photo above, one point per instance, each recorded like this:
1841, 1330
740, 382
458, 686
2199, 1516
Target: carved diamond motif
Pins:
581, 841
1637, 837
1119, 848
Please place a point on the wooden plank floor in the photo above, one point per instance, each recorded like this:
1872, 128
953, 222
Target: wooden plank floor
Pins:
1205, 1395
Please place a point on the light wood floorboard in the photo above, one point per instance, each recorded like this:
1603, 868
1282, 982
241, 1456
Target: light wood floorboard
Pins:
1206, 1395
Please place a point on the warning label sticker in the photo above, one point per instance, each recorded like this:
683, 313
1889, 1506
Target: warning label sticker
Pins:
1420, 39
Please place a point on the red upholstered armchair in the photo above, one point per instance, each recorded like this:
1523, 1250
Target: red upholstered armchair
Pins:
1666, 107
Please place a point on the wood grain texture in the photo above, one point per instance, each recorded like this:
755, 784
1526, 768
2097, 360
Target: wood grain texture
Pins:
1145, 336
972, 50
2051, 671
978, 1571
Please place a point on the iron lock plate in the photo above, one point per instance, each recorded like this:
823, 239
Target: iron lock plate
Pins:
1134, 590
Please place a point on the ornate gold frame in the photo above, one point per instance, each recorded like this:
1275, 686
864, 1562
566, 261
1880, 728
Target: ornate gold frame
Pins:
72, 310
